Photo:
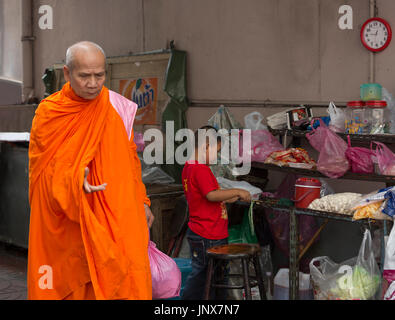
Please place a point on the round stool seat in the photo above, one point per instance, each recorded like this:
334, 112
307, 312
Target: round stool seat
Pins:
233, 251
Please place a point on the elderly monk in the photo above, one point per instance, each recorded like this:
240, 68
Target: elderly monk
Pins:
90, 216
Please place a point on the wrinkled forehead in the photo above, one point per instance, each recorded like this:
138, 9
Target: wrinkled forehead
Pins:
89, 60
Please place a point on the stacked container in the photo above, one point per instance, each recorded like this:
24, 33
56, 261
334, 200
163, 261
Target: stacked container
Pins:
356, 119
377, 114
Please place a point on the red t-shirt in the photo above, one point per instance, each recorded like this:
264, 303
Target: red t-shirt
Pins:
207, 219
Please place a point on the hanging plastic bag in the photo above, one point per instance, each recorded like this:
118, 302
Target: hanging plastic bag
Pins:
139, 141
389, 268
338, 118
253, 121
358, 278
244, 232
389, 208
332, 160
165, 274
385, 158
360, 159
263, 143
223, 119
155, 175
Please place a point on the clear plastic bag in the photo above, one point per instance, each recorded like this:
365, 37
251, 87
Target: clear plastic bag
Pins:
360, 159
156, 175
385, 158
390, 107
253, 121
358, 278
332, 160
165, 274
338, 118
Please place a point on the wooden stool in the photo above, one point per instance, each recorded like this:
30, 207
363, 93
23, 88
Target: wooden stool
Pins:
237, 251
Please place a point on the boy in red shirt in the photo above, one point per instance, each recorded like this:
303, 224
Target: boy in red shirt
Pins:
208, 219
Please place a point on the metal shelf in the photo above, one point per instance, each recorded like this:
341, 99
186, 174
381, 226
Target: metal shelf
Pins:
314, 173
384, 138
273, 203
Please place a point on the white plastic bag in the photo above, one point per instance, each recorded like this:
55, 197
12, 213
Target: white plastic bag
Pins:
389, 267
253, 121
230, 184
358, 278
156, 175
391, 107
338, 118
281, 286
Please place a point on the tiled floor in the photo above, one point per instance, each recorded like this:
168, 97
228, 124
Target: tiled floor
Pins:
13, 267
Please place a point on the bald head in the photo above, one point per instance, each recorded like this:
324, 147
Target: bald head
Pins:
81, 48
85, 69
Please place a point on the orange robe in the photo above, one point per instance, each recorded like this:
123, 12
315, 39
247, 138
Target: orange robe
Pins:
91, 241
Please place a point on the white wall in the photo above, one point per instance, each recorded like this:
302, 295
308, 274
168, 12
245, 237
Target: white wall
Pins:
10, 36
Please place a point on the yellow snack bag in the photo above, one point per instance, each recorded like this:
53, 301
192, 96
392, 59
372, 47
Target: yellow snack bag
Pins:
372, 211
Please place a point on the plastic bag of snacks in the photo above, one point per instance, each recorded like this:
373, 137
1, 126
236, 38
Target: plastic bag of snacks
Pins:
290, 156
355, 279
339, 203
372, 211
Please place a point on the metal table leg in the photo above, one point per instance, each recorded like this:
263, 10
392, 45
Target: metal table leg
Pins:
293, 256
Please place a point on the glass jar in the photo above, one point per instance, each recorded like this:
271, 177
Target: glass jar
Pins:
356, 120
377, 110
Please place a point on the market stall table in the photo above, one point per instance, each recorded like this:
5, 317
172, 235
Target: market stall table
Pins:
294, 212
162, 205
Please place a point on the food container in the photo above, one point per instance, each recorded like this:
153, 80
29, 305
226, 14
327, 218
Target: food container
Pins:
306, 191
356, 120
376, 113
371, 91
281, 286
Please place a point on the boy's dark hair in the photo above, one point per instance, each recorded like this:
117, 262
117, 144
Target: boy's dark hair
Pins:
207, 127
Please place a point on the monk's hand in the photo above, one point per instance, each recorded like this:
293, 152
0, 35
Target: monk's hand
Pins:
88, 187
149, 215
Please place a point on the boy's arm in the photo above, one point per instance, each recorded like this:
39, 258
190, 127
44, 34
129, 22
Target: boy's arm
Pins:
230, 195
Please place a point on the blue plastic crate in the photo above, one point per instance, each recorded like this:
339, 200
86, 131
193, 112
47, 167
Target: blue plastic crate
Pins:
185, 267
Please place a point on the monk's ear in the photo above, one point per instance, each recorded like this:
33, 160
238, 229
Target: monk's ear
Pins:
66, 73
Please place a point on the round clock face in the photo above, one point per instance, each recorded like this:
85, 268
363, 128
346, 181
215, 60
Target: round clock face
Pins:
376, 34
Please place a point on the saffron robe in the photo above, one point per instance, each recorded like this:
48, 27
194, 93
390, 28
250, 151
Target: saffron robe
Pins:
76, 239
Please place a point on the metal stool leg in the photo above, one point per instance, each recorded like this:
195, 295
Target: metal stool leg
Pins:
210, 272
259, 277
247, 287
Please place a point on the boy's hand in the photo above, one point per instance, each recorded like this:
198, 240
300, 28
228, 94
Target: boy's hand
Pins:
245, 195
232, 200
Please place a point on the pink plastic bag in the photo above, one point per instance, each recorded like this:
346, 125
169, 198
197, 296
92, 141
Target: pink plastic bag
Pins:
139, 141
165, 274
385, 158
332, 160
263, 143
360, 159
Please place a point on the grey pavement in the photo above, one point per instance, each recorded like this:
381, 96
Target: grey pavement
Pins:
13, 272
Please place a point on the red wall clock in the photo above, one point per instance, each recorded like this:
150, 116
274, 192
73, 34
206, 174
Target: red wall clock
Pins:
376, 34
